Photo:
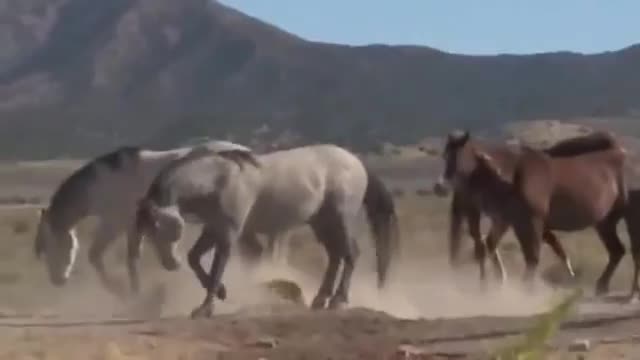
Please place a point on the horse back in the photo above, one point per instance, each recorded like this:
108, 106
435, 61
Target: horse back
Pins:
503, 156
579, 145
296, 183
577, 190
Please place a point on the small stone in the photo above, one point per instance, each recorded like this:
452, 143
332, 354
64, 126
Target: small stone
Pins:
266, 342
408, 351
580, 345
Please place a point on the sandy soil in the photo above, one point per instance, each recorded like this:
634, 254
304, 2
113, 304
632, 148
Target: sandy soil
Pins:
423, 316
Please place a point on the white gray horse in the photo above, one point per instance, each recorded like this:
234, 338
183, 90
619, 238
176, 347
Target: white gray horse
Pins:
324, 186
109, 188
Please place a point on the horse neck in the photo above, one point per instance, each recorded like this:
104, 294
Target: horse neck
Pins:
65, 214
62, 221
504, 156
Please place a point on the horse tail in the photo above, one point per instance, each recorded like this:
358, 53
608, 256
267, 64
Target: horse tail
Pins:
383, 219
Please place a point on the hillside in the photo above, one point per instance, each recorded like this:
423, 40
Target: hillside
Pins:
81, 76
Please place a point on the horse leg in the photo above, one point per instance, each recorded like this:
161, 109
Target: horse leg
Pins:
609, 236
278, 247
273, 246
551, 239
105, 234
473, 221
457, 213
341, 297
496, 233
325, 233
250, 249
134, 247
205, 243
633, 229
529, 230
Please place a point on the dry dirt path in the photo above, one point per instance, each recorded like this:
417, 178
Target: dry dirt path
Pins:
283, 332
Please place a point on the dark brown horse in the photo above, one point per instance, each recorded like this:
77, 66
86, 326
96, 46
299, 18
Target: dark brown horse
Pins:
470, 200
632, 220
576, 184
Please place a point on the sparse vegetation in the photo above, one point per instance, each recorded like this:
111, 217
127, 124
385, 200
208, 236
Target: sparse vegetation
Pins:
169, 84
532, 346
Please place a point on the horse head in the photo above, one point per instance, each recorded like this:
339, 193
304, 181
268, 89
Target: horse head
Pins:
59, 249
42, 231
163, 227
456, 156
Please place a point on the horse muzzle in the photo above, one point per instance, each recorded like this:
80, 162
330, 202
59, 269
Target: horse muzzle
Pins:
441, 188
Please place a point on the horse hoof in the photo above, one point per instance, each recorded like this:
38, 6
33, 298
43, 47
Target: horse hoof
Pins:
318, 303
221, 293
337, 304
202, 311
602, 291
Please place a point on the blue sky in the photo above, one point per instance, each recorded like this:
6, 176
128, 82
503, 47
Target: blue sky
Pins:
459, 26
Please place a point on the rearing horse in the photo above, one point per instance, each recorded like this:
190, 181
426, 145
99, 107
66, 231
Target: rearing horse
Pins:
108, 187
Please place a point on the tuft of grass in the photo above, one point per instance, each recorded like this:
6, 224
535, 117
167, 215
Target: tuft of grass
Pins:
532, 345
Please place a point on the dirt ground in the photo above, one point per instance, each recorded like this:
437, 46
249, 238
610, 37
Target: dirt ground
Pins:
423, 318
289, 332
426, 313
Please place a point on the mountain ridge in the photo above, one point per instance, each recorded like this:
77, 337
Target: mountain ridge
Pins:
87, 75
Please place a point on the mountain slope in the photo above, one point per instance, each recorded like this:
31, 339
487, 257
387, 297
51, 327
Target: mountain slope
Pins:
82, 76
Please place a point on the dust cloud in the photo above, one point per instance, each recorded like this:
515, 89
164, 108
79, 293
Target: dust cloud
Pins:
417, 289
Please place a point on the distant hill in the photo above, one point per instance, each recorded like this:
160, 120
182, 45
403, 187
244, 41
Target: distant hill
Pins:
78, 77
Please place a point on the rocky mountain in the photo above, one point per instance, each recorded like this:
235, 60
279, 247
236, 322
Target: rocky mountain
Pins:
79, 77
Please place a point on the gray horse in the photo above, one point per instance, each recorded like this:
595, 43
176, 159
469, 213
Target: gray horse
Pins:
324, 186
108, 187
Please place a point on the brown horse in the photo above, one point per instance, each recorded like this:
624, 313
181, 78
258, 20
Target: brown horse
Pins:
580, 186
470, 201
632, 220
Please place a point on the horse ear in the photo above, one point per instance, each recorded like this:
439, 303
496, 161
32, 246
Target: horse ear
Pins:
459, 137
465, 136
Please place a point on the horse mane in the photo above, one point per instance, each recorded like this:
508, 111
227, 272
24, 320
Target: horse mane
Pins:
237, 156
75, 184
596, 141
